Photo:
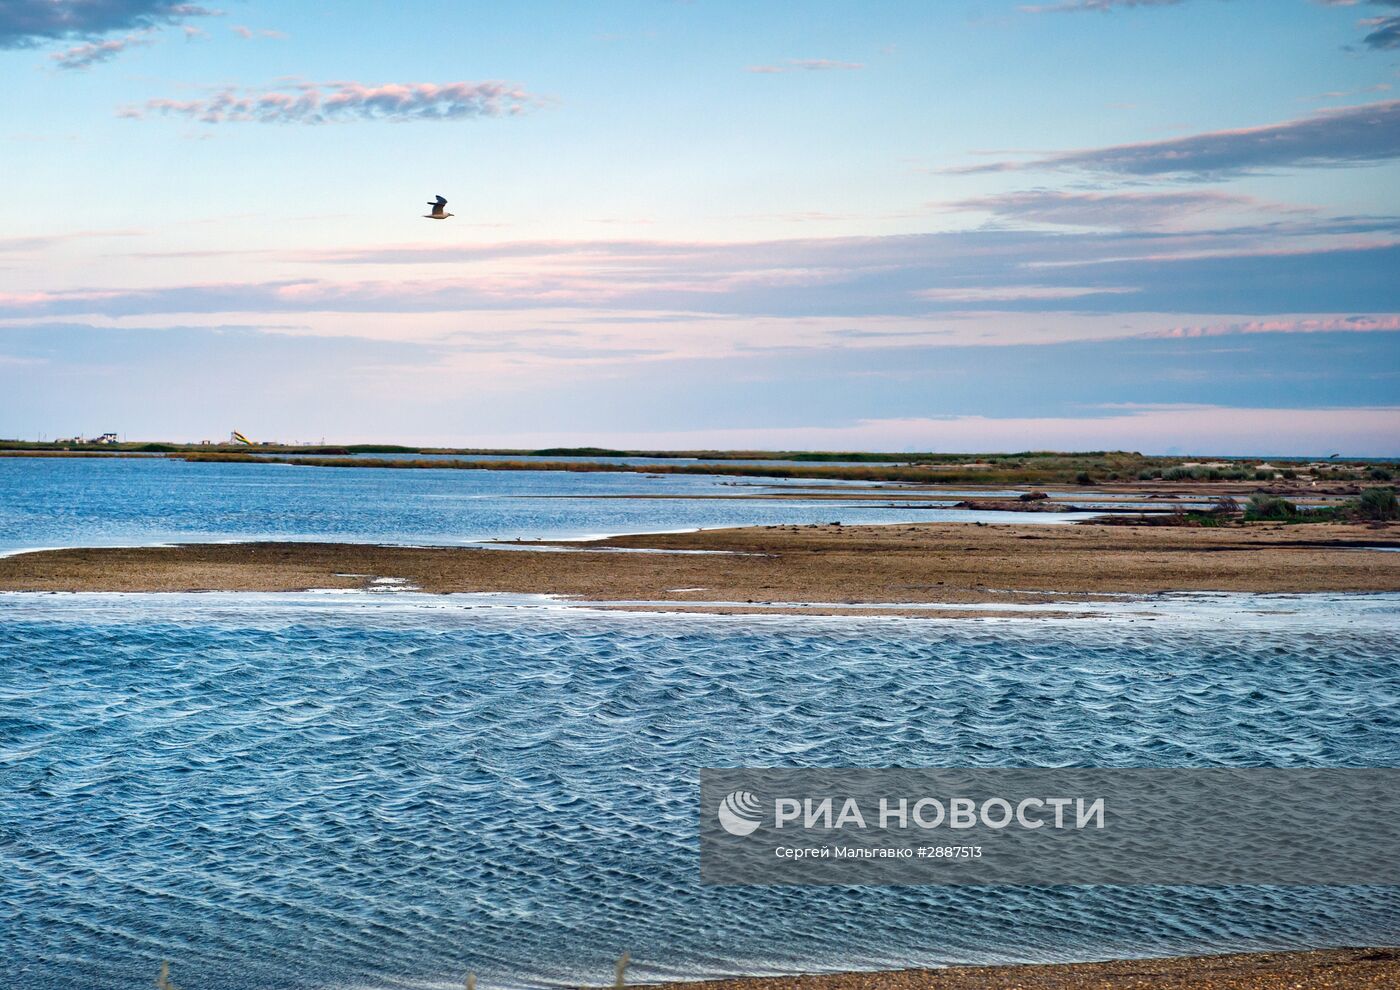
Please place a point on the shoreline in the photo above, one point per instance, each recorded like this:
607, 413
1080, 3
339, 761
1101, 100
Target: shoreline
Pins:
756, 569
1120, 470
1334, 969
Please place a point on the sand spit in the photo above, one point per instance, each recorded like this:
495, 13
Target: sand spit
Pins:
846, 565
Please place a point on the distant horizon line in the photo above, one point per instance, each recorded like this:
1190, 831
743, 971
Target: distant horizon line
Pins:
564, 450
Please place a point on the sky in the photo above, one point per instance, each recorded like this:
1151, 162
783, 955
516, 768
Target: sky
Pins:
1161, 225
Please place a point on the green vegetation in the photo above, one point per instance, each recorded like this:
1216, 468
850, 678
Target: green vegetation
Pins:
818, 472
1373, 505
580, 452
1269, 507
1059, 469
1049, 469
1199, 473
1378, 504
1029, 467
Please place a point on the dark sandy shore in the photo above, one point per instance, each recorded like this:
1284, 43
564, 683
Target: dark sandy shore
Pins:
1330, 969
952, 563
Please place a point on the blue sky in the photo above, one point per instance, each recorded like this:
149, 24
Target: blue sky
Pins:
985, 225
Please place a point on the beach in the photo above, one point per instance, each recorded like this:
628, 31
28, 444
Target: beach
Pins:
748, 568
1332, 969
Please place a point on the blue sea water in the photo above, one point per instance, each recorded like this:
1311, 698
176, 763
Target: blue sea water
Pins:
390, 791
60, 501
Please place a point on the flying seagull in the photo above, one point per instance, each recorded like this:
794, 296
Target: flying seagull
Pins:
439, 210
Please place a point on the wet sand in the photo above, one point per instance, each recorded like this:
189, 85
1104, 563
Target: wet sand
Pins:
1330, 969
951, 563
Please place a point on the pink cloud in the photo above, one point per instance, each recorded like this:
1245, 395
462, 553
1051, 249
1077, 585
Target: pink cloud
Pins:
248, 34
1351, 324
88, 54
902, 275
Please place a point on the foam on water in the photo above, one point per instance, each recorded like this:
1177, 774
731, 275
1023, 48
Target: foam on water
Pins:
389, 790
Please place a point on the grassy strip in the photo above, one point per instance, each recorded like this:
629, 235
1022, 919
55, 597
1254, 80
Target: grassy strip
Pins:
1101, 461
1023, 468
818, 456
903, 473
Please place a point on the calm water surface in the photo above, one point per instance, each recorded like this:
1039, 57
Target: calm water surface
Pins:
63, 501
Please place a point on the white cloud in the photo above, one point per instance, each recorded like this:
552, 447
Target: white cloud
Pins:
88, 54
338, 102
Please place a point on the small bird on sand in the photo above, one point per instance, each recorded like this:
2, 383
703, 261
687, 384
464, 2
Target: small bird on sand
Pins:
439, 210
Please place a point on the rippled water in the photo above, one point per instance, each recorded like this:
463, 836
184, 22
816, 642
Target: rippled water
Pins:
59, 501
361, 791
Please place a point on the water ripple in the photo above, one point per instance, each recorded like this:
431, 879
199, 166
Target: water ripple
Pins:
301, 791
